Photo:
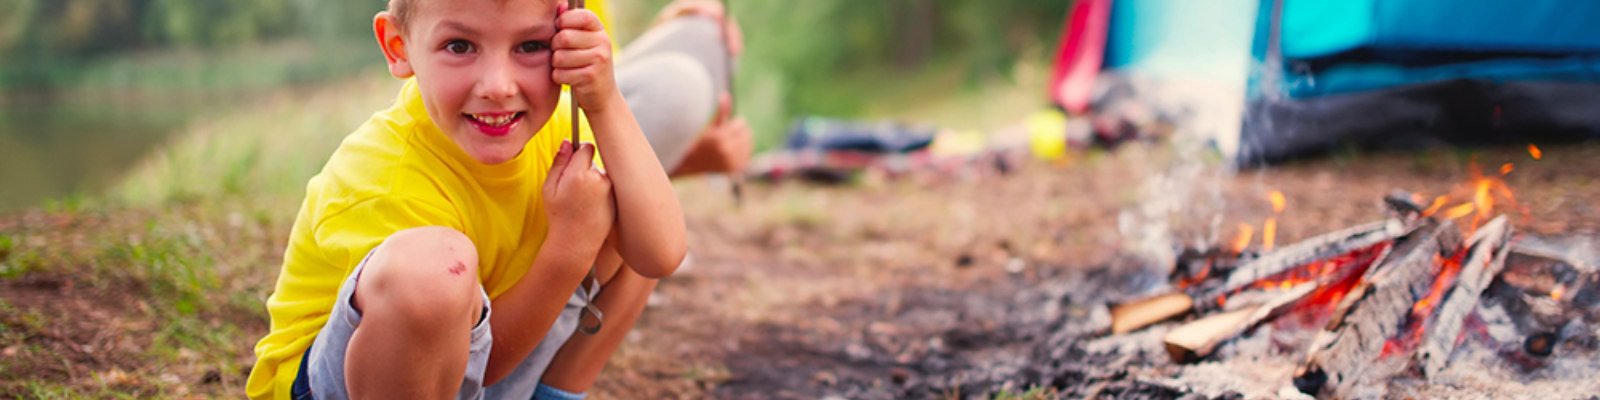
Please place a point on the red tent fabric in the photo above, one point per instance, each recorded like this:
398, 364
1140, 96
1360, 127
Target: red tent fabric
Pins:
1078, 60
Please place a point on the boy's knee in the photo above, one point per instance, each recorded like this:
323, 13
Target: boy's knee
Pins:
426, 275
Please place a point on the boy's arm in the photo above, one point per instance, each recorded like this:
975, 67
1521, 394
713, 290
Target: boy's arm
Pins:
578, 206
649, 220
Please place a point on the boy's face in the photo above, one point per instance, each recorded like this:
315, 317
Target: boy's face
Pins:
483, 67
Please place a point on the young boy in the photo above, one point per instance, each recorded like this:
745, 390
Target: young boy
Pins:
443, 250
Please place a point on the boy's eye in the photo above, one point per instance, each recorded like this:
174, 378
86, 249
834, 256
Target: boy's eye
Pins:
458, 46
532, 46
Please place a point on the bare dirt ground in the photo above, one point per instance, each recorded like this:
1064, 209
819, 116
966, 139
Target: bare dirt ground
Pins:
921, 286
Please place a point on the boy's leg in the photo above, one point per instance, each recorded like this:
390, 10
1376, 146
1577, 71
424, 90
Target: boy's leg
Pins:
671, 77
416, 316
580, 360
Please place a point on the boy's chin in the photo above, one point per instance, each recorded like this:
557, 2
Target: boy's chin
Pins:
492, 155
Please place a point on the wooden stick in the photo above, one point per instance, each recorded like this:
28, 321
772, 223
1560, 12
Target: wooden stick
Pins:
1130, 316
735, 178
572, 92
1196, 340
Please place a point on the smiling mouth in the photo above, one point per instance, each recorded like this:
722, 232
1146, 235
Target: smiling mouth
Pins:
495, 120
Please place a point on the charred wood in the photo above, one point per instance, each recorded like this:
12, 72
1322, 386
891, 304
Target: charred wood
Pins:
1317, 248
1375, 309
1484, 261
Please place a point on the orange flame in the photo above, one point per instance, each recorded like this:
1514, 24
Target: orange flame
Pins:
1269, 228
1558, 292
1242, 239
1535, 152
1438, 202
1458, 211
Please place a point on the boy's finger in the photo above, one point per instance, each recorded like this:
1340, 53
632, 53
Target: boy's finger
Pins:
579, 40
558, 164
578, 58
584, 155
580, 19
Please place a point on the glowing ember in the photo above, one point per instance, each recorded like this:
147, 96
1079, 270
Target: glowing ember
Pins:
1505, 169
1534, 151
1277, 200
1557, 292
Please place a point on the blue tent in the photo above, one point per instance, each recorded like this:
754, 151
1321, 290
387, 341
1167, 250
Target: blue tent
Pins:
1266, 80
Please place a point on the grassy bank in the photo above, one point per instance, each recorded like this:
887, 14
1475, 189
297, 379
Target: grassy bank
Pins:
156, 289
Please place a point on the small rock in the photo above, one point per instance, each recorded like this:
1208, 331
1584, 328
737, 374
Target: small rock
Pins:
964, 260
899, 375
824, 378
857, 351
1016, 265
10, 351
211, 377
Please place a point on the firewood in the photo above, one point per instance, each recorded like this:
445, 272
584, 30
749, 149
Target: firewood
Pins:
1197, 339
1136, 314
1317, 248
1373, 311
1484, 260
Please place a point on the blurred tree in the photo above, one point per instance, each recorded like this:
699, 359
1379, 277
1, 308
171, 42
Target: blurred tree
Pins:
16, 17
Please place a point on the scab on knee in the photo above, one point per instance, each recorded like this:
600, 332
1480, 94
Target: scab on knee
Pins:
426, 276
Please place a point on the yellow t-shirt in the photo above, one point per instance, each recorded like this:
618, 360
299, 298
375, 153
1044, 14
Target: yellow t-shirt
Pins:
399, 171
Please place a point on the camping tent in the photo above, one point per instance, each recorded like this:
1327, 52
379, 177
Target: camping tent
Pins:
1265, 80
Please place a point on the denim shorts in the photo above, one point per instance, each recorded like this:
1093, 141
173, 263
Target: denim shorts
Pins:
322, 367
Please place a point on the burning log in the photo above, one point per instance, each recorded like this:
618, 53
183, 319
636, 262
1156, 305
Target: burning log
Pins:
1136, 314
1199, 338
1310, 250
1372, 311
1484, 261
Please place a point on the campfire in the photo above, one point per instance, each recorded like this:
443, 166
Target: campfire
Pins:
1365, 306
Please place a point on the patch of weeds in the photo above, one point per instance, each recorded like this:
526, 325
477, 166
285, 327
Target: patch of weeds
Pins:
14, 262
173, 267
234, 179
69, 204
801, 214
36, 389
1034, 393
198, 337
706, 374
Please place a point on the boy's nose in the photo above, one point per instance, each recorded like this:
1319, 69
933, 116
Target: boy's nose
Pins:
498, 82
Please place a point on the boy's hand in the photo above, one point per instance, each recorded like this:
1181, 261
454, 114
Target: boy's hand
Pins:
578, 197
731, 137
583, 59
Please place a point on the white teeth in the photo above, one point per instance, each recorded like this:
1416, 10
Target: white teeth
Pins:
495, 120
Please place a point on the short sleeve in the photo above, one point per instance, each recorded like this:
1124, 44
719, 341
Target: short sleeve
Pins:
347, 236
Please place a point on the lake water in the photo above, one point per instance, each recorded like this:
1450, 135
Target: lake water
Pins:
80, 139
52, 148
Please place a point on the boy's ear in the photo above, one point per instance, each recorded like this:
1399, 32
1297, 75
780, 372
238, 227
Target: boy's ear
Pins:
393, 45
